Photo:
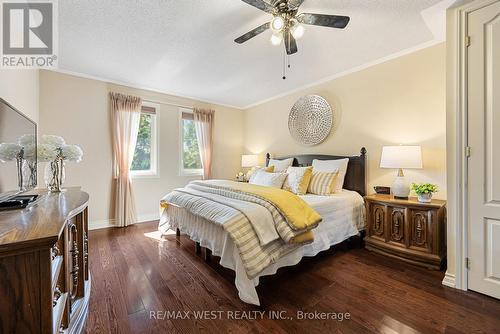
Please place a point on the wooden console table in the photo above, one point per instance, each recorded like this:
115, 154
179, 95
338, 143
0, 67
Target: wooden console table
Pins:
44, 272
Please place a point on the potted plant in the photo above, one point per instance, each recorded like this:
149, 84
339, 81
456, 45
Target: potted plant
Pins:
424, 191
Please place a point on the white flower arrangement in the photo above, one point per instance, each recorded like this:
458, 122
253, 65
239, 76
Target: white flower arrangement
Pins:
46, 152
26, 140
29, 153
9, 151
72, 153
51, 147
56, 141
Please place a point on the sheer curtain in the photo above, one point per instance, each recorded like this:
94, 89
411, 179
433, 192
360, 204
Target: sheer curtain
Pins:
125, 118
204, 120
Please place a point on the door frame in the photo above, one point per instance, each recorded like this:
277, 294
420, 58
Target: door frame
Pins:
457, 141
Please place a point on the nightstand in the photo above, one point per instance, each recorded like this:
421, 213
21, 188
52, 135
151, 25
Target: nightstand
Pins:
407, 229
238, 180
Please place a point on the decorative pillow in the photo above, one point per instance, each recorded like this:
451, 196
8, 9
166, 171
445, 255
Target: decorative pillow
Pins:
298, 179
252, 171
322, 183
280, 165
263, 178
332, 166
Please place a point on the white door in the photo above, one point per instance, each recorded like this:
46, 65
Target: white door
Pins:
484, 140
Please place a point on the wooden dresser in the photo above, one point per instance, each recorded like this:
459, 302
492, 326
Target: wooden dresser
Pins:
44, 273
407, 229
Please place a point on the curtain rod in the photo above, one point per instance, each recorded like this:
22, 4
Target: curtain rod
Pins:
169, 104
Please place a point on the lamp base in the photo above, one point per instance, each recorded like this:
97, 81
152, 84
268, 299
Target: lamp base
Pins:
400, 188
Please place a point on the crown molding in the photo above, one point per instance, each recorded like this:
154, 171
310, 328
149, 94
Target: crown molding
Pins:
130, 85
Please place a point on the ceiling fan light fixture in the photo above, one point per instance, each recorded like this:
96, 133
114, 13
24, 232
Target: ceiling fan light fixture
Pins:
276, 39
297, 31
277, 23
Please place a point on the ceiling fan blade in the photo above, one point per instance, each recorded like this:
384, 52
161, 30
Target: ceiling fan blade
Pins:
260, 4
332, 21
295, 3
290, 43
252, 33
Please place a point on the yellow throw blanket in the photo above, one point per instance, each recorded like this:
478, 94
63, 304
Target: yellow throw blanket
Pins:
299, 215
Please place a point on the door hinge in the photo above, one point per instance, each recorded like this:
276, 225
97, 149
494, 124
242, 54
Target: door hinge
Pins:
467, 263
467, 41
467, 151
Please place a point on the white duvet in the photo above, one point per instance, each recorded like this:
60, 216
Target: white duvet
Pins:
343, 217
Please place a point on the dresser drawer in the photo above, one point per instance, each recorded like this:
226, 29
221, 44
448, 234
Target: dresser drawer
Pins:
56, 263
397, 226
421, 230
377, 221
59, 303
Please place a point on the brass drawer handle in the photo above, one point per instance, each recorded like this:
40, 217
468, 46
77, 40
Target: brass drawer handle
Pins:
55, 252
57, 295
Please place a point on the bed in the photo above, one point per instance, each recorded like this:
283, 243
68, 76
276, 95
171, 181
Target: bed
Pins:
342, 215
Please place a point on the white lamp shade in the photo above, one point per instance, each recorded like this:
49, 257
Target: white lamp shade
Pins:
401, 157
249, 160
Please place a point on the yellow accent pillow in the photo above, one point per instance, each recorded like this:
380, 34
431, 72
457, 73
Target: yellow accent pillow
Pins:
322, 183
252, 171
298, 179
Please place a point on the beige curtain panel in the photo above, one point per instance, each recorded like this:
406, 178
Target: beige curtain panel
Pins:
204, 120
125, 118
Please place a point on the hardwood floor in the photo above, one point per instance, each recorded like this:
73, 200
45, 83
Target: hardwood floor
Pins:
134, 274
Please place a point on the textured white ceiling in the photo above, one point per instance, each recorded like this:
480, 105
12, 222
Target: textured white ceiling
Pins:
186, 47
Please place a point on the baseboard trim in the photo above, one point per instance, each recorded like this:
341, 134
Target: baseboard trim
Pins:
109, 223
449, 280
100, 224
147, 218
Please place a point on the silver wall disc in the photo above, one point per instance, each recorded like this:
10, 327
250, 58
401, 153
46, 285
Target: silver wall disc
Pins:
310, 120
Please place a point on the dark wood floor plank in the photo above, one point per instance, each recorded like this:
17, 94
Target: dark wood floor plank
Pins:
156, 295
187, 286
420, 298
135, 275
127, 278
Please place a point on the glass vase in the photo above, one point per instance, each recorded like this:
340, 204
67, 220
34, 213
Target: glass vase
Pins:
54, 175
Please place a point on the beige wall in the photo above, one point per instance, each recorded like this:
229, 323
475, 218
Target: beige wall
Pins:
20, 89
401, 101
77, 109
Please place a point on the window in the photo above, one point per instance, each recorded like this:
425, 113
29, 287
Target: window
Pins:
145, 163
190, 154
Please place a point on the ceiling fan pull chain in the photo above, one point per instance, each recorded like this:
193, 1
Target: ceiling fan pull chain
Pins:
284, 65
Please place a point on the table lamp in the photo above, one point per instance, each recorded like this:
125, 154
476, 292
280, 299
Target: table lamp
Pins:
401, 157
249, 160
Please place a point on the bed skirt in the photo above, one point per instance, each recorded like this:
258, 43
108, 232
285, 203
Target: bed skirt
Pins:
215, 238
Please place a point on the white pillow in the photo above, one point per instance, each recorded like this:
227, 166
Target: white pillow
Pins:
280, 165
332, 166
263, 178
298, 179
252, 172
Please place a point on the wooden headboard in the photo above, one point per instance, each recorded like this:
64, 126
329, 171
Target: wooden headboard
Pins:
355, 178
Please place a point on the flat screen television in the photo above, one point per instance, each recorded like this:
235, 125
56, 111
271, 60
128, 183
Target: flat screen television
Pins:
18, 147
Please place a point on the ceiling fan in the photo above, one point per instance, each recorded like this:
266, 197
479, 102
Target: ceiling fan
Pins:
287, 23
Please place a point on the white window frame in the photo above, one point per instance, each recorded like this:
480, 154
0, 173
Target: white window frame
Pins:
183, 171
154, 171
